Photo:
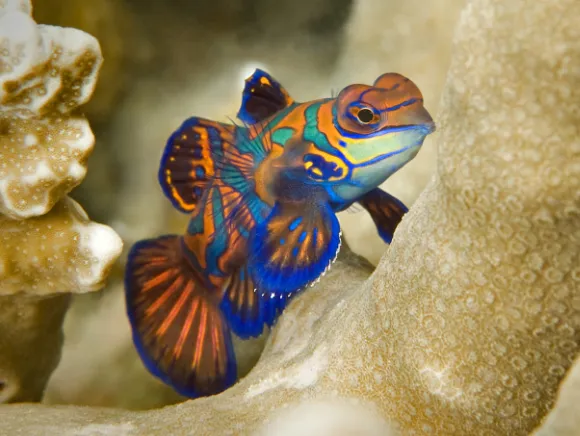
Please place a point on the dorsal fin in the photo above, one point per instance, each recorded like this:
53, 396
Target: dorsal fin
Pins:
188, 163
262, 97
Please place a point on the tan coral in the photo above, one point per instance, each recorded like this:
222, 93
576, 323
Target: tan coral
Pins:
46, 72
48, 246
563, 419
472, 319
113, 25
61, 251
30, 342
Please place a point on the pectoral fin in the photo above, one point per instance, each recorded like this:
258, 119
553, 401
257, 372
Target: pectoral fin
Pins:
188, 162
247, 308
294, 246
385, 210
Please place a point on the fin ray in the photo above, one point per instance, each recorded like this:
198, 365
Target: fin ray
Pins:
247, 309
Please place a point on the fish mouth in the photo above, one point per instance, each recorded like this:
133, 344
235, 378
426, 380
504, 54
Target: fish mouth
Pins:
425, 128
429, 127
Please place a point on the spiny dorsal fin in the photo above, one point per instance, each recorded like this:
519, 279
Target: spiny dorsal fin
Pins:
262, 97
188, 163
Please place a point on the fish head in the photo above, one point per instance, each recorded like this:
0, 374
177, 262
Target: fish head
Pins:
379, 129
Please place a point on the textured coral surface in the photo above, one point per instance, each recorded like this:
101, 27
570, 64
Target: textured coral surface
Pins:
61, 251
563, 419
471, 320
30, 344
48, 246
46, 72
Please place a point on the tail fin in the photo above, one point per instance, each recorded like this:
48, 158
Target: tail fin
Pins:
178, 329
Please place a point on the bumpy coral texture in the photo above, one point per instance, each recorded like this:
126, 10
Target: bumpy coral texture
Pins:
471, 320
46, 72
30, 343
563, 419
61, 251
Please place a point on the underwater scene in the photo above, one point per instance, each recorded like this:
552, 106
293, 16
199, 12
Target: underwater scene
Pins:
289, 218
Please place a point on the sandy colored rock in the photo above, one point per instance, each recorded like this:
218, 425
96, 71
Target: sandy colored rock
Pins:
46, 72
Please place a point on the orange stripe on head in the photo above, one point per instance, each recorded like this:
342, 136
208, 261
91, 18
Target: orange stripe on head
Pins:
397, 82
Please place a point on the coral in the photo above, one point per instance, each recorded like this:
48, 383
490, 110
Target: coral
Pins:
289, 345
470, 322
46, 72
113, 26
61, 251
30, 342
563, 419
49, 248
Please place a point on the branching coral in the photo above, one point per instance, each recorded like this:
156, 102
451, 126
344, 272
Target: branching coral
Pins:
48, 246
472, 319
46, 72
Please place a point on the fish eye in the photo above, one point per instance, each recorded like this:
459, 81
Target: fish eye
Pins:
365, 115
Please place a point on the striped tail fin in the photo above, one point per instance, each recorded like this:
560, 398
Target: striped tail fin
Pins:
178, 328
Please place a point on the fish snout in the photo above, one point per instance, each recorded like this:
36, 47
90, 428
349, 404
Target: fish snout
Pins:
422, 119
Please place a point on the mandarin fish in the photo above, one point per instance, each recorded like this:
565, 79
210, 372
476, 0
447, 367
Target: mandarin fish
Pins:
263, 196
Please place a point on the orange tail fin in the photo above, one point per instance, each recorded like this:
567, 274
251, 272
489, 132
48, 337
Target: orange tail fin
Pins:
178, 329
